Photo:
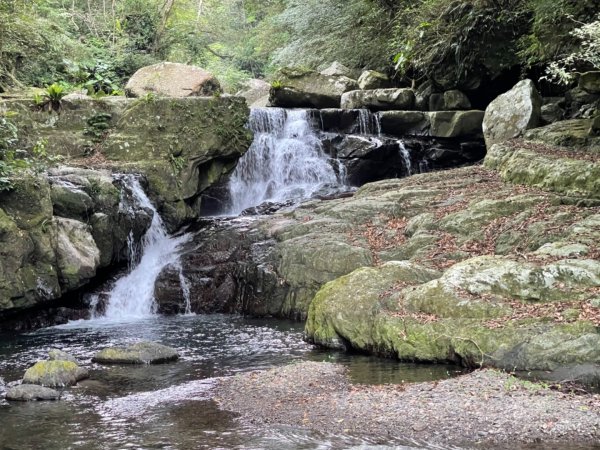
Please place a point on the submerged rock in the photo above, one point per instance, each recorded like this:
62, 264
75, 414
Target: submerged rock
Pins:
31, 392
56, 373
140, 353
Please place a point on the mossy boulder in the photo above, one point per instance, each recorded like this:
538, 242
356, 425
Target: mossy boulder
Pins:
381, 311
56, 373
140, 353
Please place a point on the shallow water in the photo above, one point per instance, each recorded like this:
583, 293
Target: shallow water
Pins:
168, 406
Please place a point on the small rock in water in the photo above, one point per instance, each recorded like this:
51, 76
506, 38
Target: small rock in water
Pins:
54, 374
31, 392
140, 353
59, 355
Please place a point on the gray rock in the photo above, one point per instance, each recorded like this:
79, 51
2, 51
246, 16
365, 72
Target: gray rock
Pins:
337, 69
297, 88
254, 90
379, 99
31, 392
422, 95
552, 112
456, 99
59, 355
371, 79
436, 102
400, 123
168, 79
449, 124
140, 353
590, 82
54, 373
512, 113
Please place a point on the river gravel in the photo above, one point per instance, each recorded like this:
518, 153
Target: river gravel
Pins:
483, 407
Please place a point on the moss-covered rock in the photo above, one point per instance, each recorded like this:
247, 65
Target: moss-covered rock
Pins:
377, 310
140, 353
521, 164
57, 373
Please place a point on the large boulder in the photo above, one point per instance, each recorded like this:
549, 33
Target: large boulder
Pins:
371, 79
31, 392
296, 88
56, 373
379, 99
140, 353
168, 79
512, 113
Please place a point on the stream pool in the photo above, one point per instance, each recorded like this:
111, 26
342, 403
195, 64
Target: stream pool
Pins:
169, 406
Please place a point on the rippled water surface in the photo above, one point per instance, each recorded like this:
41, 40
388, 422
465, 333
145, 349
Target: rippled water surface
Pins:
169, 406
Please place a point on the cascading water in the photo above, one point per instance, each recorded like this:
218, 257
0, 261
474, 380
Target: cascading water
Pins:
132, 296
285, 162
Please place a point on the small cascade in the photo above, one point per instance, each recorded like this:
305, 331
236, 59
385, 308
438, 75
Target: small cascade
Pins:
132, 296
405, 155
285, 162
369, 123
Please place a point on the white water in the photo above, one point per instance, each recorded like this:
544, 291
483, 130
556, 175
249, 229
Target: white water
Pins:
369, 123
285, 162
405, 155
132, 296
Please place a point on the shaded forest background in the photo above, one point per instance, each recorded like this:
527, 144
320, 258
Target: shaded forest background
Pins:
99, 44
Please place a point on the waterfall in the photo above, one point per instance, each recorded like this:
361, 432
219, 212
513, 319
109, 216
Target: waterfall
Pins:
285, 162
133, 295
405, 155
368, 122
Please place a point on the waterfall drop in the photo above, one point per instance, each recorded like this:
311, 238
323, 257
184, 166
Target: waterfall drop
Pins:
132, 296
285, 162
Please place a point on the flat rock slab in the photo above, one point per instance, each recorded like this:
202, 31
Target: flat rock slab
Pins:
31, 392
140, 353
54, 373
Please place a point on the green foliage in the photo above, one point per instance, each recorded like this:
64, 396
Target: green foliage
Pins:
13, 160
588, 55
97, 127
276, 84
318, 32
